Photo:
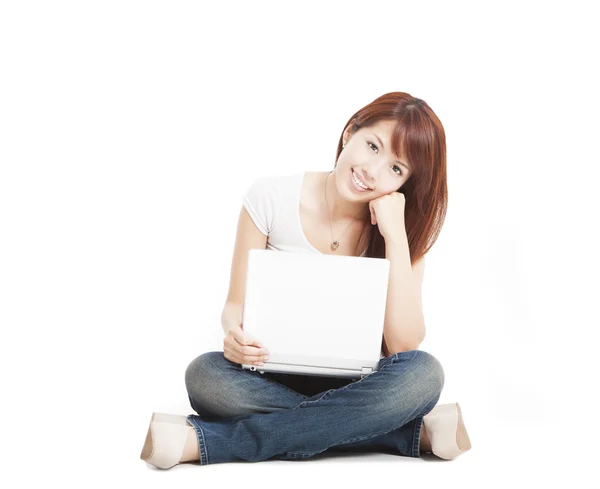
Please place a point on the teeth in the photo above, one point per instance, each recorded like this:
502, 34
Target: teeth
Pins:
358, 181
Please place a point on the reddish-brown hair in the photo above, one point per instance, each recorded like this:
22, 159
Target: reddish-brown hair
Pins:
419, 137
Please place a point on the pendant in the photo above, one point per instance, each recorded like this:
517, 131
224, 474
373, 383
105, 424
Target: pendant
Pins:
334, 245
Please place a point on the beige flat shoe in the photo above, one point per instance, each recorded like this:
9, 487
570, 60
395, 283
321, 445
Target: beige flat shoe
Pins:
446, 431
165, 441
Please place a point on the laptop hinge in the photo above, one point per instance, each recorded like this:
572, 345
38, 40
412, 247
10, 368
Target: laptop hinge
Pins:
366, 371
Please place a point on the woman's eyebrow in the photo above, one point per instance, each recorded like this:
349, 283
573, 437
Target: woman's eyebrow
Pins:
382, 147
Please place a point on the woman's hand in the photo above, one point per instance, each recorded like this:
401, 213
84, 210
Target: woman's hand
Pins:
387, 212
243, 348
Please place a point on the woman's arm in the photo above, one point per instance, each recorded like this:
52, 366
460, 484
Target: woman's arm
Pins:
232, 315
404, 327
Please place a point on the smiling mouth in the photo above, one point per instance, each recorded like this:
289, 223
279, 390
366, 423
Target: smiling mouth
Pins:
359, 185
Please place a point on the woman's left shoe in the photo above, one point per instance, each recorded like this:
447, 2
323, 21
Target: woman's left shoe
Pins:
165, 441
446, 431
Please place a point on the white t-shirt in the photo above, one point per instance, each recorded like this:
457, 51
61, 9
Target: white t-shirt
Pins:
273, 203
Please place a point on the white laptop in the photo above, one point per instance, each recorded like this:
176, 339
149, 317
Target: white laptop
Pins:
318, 314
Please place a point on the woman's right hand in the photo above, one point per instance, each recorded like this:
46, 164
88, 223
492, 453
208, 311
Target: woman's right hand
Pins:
243, 348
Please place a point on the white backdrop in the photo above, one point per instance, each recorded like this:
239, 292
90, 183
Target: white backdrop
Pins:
129, 132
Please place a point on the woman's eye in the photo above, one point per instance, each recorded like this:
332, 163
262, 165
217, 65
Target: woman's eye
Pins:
395, 166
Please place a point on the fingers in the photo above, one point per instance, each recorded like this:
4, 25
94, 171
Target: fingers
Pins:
246, 350
243, 348
372, 210
236, 357
244, 354
250, 351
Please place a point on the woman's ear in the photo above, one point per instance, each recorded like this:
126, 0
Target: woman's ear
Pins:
348, 132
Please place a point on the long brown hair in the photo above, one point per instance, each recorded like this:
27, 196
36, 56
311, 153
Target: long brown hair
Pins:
420, 137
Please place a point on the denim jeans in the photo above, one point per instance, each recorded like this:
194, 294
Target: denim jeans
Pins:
249, 416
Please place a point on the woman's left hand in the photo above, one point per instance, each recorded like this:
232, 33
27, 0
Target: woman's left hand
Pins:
387, 212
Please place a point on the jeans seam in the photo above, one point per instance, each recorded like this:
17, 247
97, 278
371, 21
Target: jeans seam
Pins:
201, 445
416, 452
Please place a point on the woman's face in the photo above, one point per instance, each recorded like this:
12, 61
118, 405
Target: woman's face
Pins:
368, 152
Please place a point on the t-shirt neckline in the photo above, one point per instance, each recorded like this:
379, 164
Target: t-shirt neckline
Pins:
299, 194
302, 177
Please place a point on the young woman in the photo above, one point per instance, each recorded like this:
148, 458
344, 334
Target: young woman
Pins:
385, 198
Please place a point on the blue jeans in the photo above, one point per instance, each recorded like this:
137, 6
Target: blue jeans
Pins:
249, 416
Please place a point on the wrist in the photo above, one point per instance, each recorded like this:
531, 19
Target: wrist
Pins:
396, 241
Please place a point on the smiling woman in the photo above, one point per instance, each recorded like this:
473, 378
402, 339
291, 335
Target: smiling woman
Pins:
397, 144
390, 167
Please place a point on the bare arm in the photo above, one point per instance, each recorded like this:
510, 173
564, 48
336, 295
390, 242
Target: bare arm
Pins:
248, 237
232, 315
404, 327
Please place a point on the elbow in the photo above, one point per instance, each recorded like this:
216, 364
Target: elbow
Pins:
409, 345
405, 347
409, 339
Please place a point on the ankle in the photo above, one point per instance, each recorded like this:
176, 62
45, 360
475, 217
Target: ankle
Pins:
191, 453
425, 444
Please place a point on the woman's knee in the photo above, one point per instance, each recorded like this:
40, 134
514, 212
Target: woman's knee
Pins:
427, 371
430, 371
202, 369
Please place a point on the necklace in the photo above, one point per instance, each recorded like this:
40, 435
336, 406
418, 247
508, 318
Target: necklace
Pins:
335, 242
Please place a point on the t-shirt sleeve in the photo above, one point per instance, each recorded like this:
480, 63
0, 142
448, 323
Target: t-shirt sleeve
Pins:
260, 200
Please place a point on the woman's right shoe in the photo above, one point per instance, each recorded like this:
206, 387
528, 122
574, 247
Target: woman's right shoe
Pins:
446, 431
166, 439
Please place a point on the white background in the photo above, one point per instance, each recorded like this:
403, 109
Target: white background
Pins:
128, 134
